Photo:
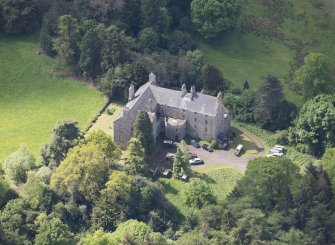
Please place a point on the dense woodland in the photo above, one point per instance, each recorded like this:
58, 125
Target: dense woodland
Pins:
77, 192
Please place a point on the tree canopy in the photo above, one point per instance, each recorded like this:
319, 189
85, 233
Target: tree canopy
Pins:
314, 128
143, 131
315, 76
210, 17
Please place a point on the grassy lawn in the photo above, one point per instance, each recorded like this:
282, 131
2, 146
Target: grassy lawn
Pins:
31, 102
246, 56
221, 181
105, 121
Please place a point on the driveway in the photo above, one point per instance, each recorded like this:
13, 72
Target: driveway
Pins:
220, 157
217, 158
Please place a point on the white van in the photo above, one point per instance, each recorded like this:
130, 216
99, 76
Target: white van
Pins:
239, 150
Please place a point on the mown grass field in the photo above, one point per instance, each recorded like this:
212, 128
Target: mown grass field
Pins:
220, 180
31, 102
243, 55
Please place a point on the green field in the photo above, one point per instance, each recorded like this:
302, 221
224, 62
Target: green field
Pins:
221, 182
31, 102
244, 55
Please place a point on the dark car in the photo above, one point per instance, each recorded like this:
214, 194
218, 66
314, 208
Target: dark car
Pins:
169, 144
192, 155
207, 148
195, 144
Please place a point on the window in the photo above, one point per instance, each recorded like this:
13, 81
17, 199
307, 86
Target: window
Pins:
195, 113
183, 110
183, 116
177, 130
120, 137
206, 129
131, 129
195, 119
206, 122
195, 126
120, 127
206, 115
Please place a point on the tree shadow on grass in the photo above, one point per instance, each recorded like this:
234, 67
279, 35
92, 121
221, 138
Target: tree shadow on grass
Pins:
207, 179
169, 189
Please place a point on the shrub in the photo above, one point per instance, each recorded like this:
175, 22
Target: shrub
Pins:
110, 111
18, 164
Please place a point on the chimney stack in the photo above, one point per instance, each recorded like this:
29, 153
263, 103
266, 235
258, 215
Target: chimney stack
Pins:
192, 91
183, 90
131, 92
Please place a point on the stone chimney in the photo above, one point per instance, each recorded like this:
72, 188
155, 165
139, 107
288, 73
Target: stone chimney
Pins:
131, 92
152, 78
192, 92
183, 90
218, 101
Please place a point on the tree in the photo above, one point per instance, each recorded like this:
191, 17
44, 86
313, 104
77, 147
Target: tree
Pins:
105, 143
5, 192
179, 41
212, 79
315, 75
65, 136
246, 85
293, 236
144, 132
181, 160
266, 180
268, 97
328, 162
196, 58
114, 84
154, 15
148, 38
17, 221
82, 174
137, 233
314, 128
112, 206
115, 48
90, 54
198, 194
136, 163
67, 43
99, 238
18, 164
20, 16
210, 17
251, 227
49, 25
54, 232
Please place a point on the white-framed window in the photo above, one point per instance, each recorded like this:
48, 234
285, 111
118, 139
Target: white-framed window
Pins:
120, 137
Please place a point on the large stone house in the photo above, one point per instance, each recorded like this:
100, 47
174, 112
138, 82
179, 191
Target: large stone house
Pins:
174, 113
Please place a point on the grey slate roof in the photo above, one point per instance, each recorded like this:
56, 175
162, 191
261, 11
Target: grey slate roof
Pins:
150, 93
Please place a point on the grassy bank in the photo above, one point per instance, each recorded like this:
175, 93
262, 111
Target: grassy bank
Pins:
31, 102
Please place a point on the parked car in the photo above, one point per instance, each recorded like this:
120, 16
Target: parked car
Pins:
169, 144
207, 148
192, 155
239, 150
184, 178
196, 161
224, 146
167, 173
195, 144
169, 157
